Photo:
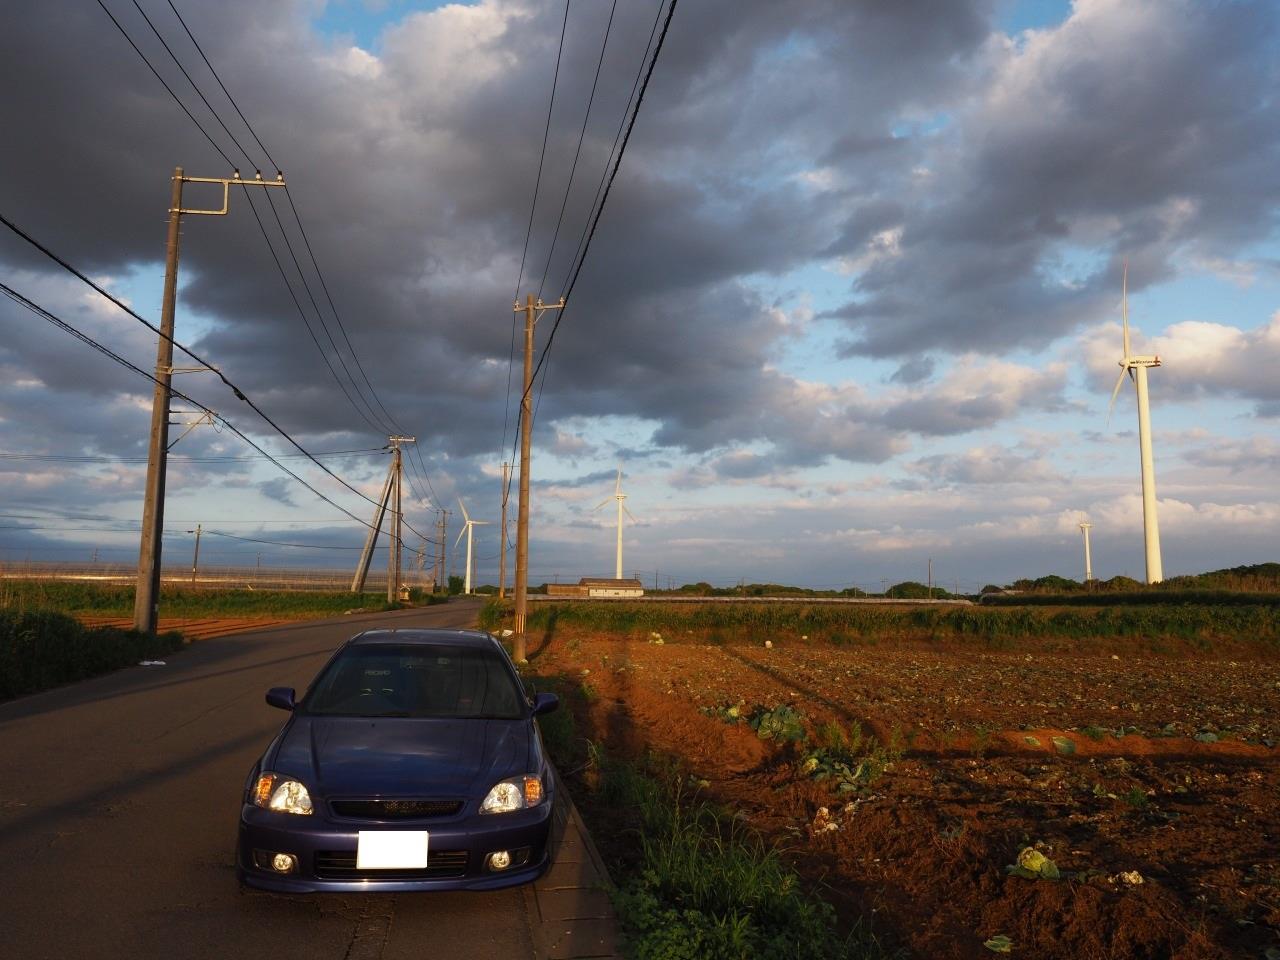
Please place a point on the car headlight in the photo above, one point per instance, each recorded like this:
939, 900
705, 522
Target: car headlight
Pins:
517, 793
274, 792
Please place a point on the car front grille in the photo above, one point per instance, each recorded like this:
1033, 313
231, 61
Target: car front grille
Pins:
341, 865
395, 809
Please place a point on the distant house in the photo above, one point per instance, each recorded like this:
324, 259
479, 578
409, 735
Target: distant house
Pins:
597, 587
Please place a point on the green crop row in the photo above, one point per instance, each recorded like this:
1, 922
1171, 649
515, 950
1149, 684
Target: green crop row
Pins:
111, 600
42, 650
1148, 598
1198, 624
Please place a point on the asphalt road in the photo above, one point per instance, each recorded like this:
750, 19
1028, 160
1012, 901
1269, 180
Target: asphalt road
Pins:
119, 799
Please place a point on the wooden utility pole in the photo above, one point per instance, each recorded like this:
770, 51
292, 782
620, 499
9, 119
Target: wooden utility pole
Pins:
437, 571
394, 564
146, 603
366, 555
146, 599
195, 560
532, 310
502, 556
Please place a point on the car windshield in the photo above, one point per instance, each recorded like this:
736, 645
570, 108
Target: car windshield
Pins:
416, 680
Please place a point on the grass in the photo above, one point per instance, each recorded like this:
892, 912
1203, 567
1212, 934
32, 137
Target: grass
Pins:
1197, 625
105, 600
708, 888
39, 650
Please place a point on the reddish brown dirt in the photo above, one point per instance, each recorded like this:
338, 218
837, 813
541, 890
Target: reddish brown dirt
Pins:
923, 849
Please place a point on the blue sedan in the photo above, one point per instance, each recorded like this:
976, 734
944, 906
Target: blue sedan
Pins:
411, 763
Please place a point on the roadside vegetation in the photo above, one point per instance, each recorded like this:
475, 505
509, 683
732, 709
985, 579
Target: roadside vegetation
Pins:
112, 600
694, 882
39, 650
1198, 626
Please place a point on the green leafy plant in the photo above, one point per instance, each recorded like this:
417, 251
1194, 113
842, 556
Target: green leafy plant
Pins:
782, 724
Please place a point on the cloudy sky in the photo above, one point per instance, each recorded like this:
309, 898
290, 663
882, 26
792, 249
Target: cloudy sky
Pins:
854, 302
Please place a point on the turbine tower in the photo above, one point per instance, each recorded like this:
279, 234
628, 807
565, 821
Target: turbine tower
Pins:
1085, 526
1136, 368
466, 530
619, 496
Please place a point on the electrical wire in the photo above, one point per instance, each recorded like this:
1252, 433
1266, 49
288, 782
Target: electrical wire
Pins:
599, 210
573, 169
200, 360
277, 543
418, 469
172, 458
533, 206
296, 216
109, 353
257, 217
546, 349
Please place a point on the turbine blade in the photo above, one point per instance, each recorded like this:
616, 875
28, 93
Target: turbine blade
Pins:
462, 533
465, 515
629, 514
1124, 308
1115, 393
617, 487
601, 503
481, 523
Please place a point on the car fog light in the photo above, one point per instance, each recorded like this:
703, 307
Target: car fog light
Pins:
283, 862
499, 860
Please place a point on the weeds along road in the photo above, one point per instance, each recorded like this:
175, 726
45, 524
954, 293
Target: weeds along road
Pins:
119, 800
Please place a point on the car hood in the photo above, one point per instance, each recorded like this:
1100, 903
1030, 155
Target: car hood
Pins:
361, 757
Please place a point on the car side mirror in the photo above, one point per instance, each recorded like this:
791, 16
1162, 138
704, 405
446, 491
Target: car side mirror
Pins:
545, 703
281, 697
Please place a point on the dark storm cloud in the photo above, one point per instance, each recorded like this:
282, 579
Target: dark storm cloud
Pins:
1073, 146
414, 174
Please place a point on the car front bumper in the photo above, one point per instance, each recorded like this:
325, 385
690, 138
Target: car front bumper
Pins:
325, 850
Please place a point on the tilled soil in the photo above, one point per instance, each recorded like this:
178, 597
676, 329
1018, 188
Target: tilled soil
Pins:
1152, 782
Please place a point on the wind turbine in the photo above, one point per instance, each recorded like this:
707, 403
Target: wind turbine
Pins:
1136, 368
1085, 526
619, 496
466, 530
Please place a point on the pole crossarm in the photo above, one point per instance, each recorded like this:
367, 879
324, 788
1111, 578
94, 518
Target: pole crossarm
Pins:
227, 184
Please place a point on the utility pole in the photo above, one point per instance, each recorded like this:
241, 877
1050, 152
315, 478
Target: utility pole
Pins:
394, 560
146, 605
370, 541
195, 560
437, 569
931, 578
532, 311
502, 561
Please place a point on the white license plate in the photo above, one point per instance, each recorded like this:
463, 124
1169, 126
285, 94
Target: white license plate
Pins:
391, 850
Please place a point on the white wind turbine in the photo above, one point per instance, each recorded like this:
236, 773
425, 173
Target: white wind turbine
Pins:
619, 496
1085, 526
1136, 368
466, 530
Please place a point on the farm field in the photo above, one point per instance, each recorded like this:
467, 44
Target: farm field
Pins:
905, 776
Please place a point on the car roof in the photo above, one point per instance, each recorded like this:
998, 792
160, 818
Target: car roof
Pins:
426, 637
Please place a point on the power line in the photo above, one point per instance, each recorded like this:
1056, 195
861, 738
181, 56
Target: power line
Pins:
604, 198
106, 351
533, 206
257, 218
296, 216
578, 151
165, 85
200, 49
622, 121
174, 458
424, 475
278, 543
200, 360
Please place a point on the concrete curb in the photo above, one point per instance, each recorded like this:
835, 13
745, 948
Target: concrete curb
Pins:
570, 911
